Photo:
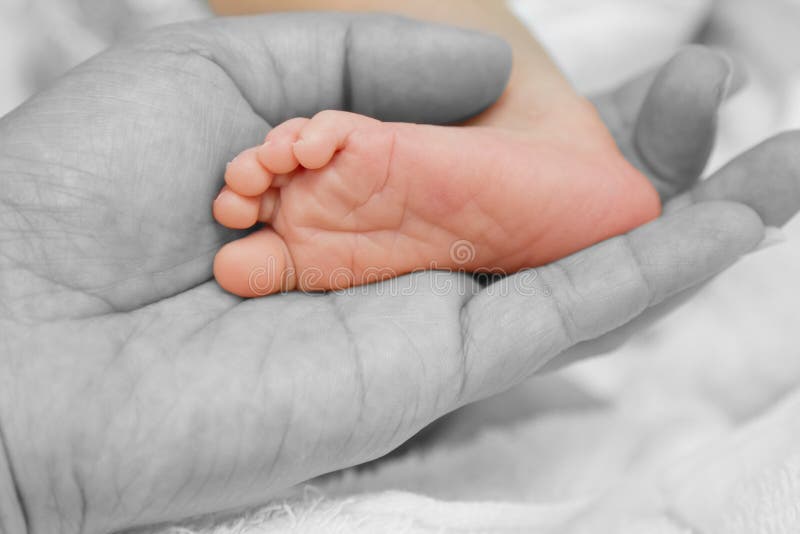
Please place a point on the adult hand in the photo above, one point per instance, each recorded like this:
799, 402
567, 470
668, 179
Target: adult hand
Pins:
135, 391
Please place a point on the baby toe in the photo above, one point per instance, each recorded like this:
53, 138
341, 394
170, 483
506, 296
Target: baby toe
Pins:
277, 156
268, 205
324, 134
316, 150
254, 265
234, 210
245, 174
276, 153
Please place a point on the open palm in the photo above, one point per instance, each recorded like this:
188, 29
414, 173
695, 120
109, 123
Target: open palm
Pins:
133, 390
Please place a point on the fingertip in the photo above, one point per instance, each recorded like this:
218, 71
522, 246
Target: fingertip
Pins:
464, 72
739, 226
704, 64
676, 125
766, 178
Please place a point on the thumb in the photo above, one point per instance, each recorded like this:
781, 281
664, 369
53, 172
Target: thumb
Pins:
389, 67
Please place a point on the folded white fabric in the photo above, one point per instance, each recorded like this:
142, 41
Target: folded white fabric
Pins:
752, 475
602, 43
40, 39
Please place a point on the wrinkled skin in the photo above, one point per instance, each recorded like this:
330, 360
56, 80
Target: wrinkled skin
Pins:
133, 390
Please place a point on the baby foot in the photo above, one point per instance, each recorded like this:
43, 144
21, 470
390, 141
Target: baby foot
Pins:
348, 200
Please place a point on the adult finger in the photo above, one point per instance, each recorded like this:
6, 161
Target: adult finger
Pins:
665, 122
511, 333
676, 127
389, 67
765, 178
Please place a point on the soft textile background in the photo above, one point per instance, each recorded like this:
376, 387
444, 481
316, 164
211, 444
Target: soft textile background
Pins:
689, 429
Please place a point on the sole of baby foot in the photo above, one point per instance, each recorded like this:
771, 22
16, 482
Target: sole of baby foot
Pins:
361, 201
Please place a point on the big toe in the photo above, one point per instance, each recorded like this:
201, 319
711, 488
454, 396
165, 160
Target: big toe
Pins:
255, 265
